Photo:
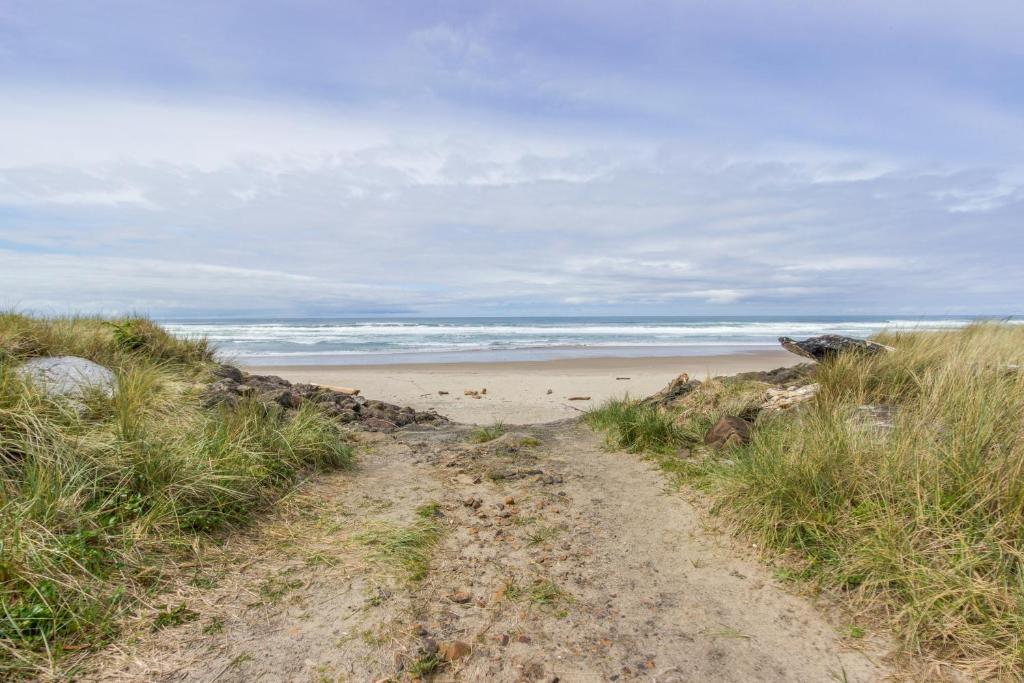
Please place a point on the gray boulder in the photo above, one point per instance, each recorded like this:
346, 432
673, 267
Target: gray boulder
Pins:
830, 345
68, 376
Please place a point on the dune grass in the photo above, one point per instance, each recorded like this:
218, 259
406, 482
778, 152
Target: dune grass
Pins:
486, 433
98, 501
923, 521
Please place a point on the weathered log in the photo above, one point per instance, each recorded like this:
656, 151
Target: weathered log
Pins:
831, 345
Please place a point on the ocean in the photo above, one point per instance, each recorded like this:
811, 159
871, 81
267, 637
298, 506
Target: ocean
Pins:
347, 341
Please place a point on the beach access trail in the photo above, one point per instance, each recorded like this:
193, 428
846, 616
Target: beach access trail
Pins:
548, 557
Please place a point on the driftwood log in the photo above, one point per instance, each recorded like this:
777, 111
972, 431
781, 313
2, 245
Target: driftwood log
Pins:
830, 345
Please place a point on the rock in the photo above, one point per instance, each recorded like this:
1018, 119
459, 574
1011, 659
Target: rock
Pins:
454, 650
830, 345
347, 408
579, 398
442, 393
782, 377
729, 431
68, 376
460, 597
429, 647
677, 389
509, 500
550, 391
777, 400
376, 424
228, 372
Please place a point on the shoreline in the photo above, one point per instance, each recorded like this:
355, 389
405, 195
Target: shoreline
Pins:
522, 392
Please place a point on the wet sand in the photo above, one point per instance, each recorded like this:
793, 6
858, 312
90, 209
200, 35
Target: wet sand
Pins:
518, 392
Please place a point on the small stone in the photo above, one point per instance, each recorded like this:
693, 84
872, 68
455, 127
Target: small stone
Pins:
510, 500
502, 639
454, 650
523, 638
460, 597
429, 647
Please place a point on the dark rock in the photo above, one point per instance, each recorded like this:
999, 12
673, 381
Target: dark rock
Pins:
830, 345
729, 431
677, 389
376, 424
233, 384
783, 377
228, 372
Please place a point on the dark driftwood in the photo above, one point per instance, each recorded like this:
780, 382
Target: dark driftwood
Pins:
830, 345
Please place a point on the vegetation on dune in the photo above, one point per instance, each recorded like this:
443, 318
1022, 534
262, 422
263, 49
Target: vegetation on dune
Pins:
486, 433
923, 518
98, 498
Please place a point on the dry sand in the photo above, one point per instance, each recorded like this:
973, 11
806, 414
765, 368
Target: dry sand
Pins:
558, 561
517, 392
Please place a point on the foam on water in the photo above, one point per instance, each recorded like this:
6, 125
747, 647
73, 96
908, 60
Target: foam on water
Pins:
475, 339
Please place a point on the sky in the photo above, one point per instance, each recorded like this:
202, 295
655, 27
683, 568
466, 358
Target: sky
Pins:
317, 157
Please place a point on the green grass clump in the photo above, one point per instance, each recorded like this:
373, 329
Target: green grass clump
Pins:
487, 433
96, 498
406, 549
637, 428
924, 519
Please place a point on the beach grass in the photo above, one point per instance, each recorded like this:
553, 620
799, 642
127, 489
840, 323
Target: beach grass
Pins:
486, 433
920, 521
406, 550
98, 500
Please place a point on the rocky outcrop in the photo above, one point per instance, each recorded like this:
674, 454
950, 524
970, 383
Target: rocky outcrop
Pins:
831, 345
375, 416
68, 376
729, 431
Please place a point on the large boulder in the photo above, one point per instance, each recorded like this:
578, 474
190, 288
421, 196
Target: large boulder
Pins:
729, 431
68, 376
831, 345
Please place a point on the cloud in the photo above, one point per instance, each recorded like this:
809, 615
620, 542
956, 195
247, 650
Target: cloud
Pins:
729, 158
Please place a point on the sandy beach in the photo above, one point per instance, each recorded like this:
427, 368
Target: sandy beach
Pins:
522, 392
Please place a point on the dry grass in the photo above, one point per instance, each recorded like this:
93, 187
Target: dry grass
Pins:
922, 521
95, 503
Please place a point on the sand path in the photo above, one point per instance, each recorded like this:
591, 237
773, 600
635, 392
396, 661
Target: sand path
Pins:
575, 565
